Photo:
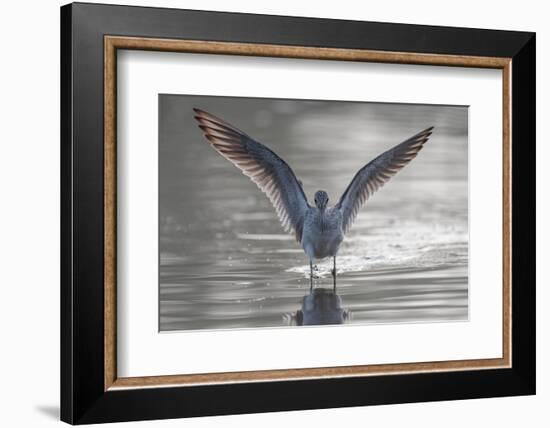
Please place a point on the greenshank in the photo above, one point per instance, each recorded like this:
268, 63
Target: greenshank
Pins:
320, 229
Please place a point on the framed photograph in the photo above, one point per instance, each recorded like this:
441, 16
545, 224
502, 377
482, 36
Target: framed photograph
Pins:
319, 213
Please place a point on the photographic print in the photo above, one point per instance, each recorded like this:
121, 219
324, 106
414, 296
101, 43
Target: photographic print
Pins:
326, 201
283, 212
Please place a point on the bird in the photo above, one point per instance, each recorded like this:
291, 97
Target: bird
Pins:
320, 229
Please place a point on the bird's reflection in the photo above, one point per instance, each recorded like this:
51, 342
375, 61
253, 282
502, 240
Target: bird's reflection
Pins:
320, 307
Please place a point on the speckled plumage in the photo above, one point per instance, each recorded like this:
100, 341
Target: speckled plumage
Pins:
319, 229
322, 232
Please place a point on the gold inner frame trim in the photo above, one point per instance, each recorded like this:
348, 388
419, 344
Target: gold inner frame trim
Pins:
113, 43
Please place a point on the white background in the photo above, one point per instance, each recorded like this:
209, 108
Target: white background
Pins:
143, 352
29, 226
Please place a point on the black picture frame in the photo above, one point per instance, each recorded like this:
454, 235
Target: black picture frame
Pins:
83, 396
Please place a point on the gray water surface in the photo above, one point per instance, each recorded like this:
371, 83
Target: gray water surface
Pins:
225, 261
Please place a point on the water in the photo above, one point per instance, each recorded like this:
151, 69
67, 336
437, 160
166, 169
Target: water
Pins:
225, 261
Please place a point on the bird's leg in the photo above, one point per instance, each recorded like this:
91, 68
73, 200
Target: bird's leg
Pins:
334, 273
310, 275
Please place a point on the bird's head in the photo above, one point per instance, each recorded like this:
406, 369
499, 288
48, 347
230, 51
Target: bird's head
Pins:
321, 199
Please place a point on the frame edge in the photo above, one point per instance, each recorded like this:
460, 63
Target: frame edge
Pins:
113, 43
524, 216
66, 128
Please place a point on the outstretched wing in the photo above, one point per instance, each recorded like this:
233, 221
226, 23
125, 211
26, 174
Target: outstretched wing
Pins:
376, 173
271, 174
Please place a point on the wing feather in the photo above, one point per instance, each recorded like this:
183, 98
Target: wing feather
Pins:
268, 171
377, 173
